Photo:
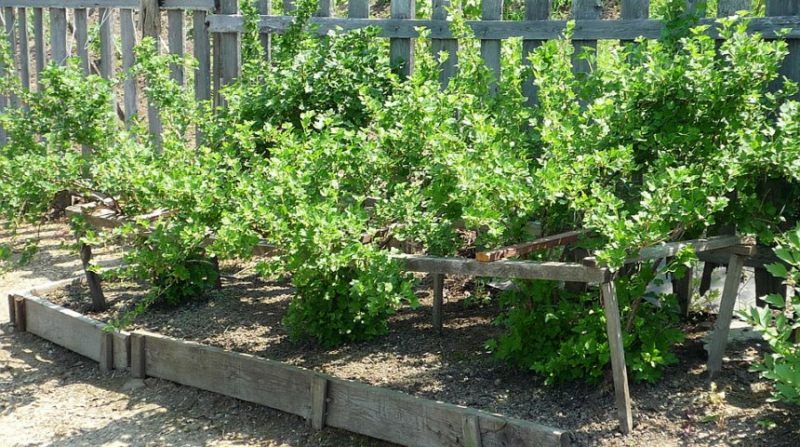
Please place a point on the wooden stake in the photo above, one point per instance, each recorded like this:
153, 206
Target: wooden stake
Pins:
438, 300
12, 310
19, 314
620, 373
138, 356
319, 396
106, 352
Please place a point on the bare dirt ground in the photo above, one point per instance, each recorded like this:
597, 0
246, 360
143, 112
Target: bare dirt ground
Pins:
50, 396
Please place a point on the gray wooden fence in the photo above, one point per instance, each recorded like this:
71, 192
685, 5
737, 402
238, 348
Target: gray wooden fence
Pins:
103, 34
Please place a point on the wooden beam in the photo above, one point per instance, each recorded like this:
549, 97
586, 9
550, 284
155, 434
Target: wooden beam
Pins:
558, 271
524, 248
723, 324
672, 248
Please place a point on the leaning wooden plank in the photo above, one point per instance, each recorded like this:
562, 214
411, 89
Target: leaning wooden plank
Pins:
412, 421
558, 271
524, 248
66, 328
672, 248
622, 394
242, 376
722, 326
769, 27
58, 35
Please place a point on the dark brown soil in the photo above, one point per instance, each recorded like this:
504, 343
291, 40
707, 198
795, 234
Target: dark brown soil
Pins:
684, 408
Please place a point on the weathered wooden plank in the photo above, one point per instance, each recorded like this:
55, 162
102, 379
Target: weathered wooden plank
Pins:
206, 5
66, 328
325, 8
411, 421
176, 41
791, 64
438, 300
769, 27
726, 8
534, 10
401, 50
265, 8
584, 10
672, 248
242, 376
490, 48
58, 35
358, 9
450, 46
229, 48
617, 353
24, 55
38, 43
150, 22
20, 314
129, 90
106, 359
138, 356
82, 38
722, 326
9, 16
106, 42
319, 396
524, 248
202, 54
503, 269
121, 350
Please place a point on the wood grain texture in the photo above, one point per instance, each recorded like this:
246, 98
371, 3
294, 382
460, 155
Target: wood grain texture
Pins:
128, 41
401, 50
67, 328
490, 48
558, 271
448, 65
524, 248
176, 41
58, 35
534, 10
722, 326
82, 38
619, 371
242, 376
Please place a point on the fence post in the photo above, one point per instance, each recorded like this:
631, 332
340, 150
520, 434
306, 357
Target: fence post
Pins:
447, 66
534, 10
490, 48
401, 50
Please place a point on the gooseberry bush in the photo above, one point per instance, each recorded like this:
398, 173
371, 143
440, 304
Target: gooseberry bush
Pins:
326, 153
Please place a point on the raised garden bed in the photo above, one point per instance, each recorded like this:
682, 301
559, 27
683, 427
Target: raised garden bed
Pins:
245, 316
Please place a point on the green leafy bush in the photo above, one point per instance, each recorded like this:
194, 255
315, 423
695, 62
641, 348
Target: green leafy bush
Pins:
779, 322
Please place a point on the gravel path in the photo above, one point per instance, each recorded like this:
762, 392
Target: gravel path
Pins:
50, 396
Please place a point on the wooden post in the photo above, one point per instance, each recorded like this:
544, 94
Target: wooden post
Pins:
175, 41
490, 48
92, 278
319, 397
584, 10
138, 368
619, 370
128, 37
19, 314
12, 310
534, 10
401, 50
38, 43
447, 66
82, 38
106, 352
24, 57
438, 300
723, 324
58, 35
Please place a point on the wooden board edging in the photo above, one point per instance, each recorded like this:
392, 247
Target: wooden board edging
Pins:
325, 400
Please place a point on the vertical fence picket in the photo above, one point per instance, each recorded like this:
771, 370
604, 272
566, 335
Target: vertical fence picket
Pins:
176, 41
229, 49
58, 35
401, 50
82, 38
150, 21
11, 35
584, 10
202, 53
727, 8
325, 8
106, 42
534, 10
635, 9
24, 56
791, 65
265, 8
38, 42
358, 9
447, 66
288, 6
490, 49
127, 30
